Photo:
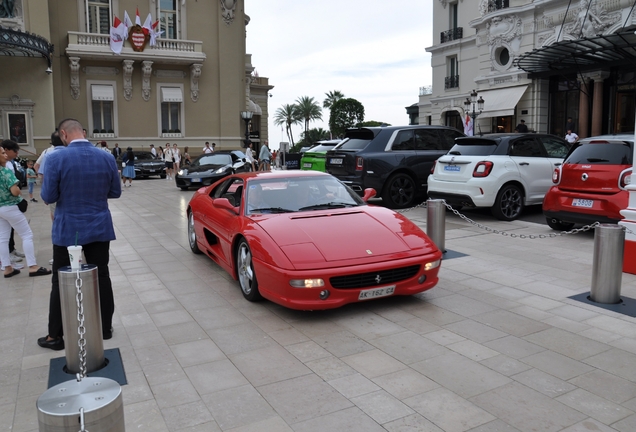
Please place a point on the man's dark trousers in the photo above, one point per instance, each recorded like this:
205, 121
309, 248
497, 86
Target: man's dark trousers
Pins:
96, 253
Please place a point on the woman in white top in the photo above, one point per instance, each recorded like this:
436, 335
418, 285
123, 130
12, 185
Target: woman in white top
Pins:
176, 154
249, 156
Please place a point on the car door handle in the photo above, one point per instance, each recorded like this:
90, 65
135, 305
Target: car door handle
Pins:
557, 164
524, 163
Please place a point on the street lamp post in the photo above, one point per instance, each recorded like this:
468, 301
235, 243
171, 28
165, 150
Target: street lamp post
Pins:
473, 113
247, 116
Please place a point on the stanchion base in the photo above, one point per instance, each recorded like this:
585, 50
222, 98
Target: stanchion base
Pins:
449, 254
627, 306
114, 369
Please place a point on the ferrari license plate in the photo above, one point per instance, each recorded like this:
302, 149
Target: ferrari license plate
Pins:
336, 161
377, 292
578, 202
196, 180
306, 165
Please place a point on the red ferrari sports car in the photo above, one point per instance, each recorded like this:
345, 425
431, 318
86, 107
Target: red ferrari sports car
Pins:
306, 241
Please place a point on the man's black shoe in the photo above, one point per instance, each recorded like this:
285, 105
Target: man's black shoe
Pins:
108, 334
55, 344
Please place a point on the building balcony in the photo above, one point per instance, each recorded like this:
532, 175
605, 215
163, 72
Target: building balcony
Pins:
93, 46
495, 5
452, 34
451, 82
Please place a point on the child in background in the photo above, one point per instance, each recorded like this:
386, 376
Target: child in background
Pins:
31, 178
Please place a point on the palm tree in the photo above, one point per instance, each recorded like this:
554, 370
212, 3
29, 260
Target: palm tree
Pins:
308, 109
332, 97
287, 115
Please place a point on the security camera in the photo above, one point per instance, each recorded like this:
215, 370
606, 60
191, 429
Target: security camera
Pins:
49, 71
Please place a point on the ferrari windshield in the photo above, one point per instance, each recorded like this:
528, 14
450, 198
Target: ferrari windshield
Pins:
298, 194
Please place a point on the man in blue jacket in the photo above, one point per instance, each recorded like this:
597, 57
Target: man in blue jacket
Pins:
80, 180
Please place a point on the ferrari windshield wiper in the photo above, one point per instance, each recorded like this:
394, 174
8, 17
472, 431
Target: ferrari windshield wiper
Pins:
327, 205
271, 210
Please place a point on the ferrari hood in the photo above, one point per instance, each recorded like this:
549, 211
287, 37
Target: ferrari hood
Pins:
333, 237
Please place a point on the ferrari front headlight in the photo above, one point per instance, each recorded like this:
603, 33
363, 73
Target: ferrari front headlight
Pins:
307, 283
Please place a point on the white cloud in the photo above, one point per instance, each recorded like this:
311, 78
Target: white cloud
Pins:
371, 50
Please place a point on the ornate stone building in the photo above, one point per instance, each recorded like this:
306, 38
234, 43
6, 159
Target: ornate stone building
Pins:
188, 88
538, 60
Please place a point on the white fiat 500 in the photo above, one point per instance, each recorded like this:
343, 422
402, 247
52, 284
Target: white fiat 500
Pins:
502, 171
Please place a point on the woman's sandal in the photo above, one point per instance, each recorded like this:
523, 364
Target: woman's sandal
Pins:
13, 273
40, 272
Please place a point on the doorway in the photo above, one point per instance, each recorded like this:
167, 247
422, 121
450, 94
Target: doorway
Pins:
625, 112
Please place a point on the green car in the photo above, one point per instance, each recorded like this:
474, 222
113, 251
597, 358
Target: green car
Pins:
314, 158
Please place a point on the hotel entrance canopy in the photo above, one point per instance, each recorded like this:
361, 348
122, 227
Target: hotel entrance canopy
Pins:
22, 44
581, 55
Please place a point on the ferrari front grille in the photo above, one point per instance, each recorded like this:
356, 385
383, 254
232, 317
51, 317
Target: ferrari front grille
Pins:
372, 279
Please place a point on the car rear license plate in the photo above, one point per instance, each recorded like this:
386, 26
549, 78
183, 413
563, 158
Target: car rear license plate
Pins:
151, 170
336, 161
306, 165
196, 180
376, 292
578, 202
452, 168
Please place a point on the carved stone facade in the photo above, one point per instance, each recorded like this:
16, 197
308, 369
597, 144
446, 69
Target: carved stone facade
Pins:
128, 70
228, 7
75, 83
195, 73
146, 68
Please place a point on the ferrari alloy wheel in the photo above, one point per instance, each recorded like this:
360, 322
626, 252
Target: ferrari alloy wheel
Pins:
192, 235
399, 192
509, 203
246, 275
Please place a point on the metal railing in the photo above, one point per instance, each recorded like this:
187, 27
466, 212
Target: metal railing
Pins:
452, 34
451, 82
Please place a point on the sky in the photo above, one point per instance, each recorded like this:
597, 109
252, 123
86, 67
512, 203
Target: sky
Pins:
370, 50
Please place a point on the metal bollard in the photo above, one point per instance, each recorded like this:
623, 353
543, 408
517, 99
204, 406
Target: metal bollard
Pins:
92, 318
92, 404
607, 270
436, 222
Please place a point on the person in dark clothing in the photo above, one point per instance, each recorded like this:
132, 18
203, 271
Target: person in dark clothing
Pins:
521, 127
569, 126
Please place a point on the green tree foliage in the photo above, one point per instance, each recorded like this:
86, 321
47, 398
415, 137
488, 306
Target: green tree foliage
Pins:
287, 115
309, 138
345, 113
307, 110
372, 123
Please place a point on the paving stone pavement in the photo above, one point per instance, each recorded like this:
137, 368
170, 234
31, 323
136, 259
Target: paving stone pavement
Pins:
497, 346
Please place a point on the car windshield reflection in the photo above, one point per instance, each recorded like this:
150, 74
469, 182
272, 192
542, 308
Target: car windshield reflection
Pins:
298, 194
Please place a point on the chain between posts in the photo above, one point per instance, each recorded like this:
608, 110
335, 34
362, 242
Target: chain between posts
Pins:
81, 330
513, 235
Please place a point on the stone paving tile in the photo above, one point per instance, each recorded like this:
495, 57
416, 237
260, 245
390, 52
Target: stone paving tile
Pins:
539, 412
448, 411
543, 382
566, 343
461, 375
556, 364
350, 419
381, 406
412, 423
353, 385
594, 406
405, 383
268, 365
475, 331
374, 363
409, 347
303, 398
606, 385
589, 425
239, 406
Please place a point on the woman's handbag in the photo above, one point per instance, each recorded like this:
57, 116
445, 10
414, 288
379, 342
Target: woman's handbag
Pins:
22, 205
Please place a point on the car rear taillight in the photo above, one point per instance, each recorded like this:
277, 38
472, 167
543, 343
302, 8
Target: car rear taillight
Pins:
359, 163
433, 167
625, 178
556, 176
482, 169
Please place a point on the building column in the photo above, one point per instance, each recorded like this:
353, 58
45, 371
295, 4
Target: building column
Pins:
597, 103
584, 109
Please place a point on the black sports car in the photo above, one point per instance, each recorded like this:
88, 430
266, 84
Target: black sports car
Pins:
210, 167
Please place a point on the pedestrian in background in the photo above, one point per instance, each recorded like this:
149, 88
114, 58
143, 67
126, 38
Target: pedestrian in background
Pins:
207, 148
521, 127
249, 156
571, 137
128, 163
186, 156
569, 126
264, 158
169, 161
80, 180
31, 179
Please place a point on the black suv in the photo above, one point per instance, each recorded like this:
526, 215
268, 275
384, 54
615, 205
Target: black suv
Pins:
394, 160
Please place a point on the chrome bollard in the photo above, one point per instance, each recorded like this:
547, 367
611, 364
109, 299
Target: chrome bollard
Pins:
92, 404
92, 318
607, 270
436, 222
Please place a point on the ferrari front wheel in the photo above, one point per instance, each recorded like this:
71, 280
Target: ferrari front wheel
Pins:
192, 235
246, 275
